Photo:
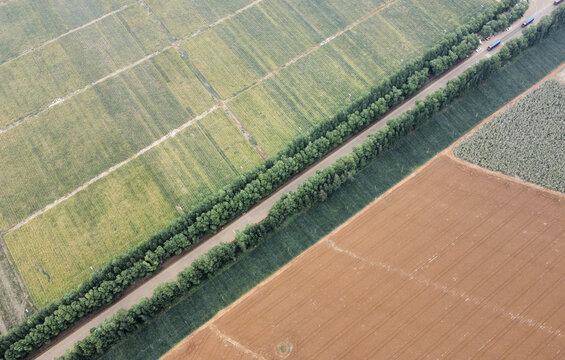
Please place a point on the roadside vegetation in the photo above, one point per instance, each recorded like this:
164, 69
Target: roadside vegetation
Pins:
526, 141
106, 284
442, 129
71, 148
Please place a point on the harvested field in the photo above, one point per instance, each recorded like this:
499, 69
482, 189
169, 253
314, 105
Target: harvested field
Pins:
454, 262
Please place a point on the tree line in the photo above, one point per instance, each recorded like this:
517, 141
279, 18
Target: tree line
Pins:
108, 283
315, 189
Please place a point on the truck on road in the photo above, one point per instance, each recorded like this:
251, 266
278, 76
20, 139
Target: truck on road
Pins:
493, 45
528, 22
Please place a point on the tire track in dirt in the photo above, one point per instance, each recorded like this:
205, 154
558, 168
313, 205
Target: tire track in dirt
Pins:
169, 135
61, 100
236, 344
452, 292
34, 48
312, 49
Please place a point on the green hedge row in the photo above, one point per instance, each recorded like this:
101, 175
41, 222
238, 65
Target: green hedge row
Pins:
108, 283
316, 189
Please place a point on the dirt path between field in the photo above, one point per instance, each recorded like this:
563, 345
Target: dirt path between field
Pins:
559, 74
258, 213
34, 48
311, 50
170, 134
182, 127
467, 258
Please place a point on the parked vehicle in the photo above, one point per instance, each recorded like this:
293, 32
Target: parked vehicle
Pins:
493, 45
557, 2
528, 22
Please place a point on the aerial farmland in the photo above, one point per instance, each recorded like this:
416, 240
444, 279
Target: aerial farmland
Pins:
118, 116
453, 262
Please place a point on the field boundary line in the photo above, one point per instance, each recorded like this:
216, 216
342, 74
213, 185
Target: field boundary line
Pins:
175, 44
37, 47
460, 294
219, 21
326, 41
115, 167
214, 94
235, 343
61, 100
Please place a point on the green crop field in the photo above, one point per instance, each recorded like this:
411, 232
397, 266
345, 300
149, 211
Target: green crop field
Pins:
89, 133
62, 147
27, 23
61, 67
172, 326
526, 141
329, 79
183, 18
55, 251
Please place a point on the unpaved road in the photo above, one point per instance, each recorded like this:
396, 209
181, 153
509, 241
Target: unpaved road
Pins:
454, 263
60, 345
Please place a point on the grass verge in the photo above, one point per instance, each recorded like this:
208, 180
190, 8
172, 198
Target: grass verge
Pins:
192, 311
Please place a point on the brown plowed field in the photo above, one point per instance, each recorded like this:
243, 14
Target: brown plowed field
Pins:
453, 263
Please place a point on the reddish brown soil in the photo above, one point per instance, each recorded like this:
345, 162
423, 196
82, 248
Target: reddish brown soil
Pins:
454, 263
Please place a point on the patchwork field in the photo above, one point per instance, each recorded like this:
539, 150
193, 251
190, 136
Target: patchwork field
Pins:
171, 326
108, 130
454, 262
27, 23
526, 141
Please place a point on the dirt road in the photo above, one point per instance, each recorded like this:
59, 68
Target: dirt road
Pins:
59, 346
454, 263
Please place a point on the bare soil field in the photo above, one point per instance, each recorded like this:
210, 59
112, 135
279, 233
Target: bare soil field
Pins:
453, 262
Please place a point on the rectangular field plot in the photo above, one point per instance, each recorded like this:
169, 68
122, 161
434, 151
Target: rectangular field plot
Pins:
33, 81
54, 251
183, 18
244, 48
453, 263
333, 76
48, 157
27, 23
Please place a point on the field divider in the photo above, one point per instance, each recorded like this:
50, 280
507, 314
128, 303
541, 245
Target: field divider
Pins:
312, 49
169, 135
460, 294
239, 197
235, 343
61, 100
127, 67
221, 20
37, 47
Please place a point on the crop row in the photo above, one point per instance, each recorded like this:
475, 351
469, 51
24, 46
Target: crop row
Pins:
108, 283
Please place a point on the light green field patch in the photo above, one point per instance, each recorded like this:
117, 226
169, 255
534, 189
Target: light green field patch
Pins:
109, 44
229, 141
48, 157
330, 78
185, 17
54, 251
244, 48
27, 23
56, 70
31, 82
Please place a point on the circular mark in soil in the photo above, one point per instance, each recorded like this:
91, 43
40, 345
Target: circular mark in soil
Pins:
284, 349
